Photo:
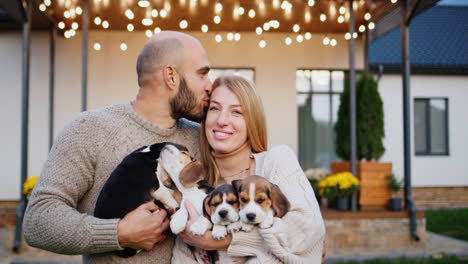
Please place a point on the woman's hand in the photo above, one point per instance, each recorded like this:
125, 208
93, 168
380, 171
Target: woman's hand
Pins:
206, 241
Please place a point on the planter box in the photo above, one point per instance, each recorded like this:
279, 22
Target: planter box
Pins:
374, 192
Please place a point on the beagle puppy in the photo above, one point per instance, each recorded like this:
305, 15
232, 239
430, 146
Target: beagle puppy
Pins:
221, 206
138, 178
260, 201
188, 176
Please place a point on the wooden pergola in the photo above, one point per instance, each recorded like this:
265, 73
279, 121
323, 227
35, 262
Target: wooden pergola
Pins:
369, 19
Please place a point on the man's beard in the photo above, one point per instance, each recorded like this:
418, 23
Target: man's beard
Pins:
185, 104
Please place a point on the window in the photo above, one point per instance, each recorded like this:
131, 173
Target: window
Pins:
318, 98
431, 126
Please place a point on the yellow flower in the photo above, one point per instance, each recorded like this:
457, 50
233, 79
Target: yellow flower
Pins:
28, 185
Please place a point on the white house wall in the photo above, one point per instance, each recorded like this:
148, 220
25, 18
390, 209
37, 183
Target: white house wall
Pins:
428, 171
112, 78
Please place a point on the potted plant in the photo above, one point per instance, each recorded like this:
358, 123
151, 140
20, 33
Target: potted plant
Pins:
370, 134
394, 185
314, 175
339, 186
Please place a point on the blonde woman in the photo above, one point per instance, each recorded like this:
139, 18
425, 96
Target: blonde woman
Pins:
234, 146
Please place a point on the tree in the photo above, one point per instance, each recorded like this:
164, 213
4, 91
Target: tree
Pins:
370, 120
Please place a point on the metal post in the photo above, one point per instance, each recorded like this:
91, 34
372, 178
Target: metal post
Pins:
26, 48
84, 65
51, 84
405, 61
352, 103
366, 50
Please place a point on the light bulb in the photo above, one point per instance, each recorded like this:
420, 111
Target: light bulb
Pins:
204, 28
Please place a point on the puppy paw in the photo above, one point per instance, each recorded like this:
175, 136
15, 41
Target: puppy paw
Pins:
178, 221
200, 226
219, 232
246, 227
236, 226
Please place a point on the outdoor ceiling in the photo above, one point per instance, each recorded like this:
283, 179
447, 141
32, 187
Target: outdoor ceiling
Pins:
324, 16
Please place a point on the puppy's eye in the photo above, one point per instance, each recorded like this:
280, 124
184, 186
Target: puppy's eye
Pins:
260, 200
232, 202
243, 200
215, 204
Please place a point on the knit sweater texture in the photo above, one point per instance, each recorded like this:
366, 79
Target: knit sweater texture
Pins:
297, 237
59, 217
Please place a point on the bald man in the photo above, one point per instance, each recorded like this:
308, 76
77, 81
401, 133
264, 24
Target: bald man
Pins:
172, 70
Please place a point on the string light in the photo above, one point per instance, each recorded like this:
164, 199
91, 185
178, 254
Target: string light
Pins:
240, 10
157, 30
61, 25
218, 7
288, 41
149, 33
274, 24
66, 14
340, 19
217, 19
130, 27
78, 10
123, 46
258, 30
333, 42
67, 34
299, 38
251, 13
183, 24
355, 35
367, 16
296, 28
311, 3
163, 13
347, 36
72, 32
42, 7
342, 10
143, 3
393, 1
218, 38
266, 26
371, 25
204, 28
147, 21
362, 28
129, 14
326, 41
154, 13
97, 21
323, 17
308, 35
262, 43
74, 25
105, 24
230, 36
307, 16
97, 46
237, 36
47, 2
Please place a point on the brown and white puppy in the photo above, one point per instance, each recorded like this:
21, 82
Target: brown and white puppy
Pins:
260, 201
221, 206
188, 176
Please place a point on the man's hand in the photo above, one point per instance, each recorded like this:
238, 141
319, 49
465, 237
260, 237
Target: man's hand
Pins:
205, 241
143, 227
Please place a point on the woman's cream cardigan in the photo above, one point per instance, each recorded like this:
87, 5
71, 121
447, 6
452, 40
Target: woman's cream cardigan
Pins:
298, 237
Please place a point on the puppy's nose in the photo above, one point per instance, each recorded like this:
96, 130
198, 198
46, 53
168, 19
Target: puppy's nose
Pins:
223, 213
251, 216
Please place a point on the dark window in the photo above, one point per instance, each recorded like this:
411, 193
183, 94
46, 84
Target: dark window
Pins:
431, 126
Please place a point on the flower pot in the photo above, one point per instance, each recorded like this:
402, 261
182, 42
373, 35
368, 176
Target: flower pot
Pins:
342, 204
331, 203
395, 204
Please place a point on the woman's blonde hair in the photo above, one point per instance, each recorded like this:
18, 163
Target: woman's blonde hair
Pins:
254, 117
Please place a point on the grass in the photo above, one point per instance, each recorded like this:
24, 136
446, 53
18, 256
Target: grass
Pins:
452, 223
445, 260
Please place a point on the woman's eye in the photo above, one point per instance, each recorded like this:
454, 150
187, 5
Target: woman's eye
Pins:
236, 112
212, 108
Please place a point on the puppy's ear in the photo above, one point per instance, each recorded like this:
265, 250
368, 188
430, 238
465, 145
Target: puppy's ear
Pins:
237, 185
191, 174
279, 202
206, 206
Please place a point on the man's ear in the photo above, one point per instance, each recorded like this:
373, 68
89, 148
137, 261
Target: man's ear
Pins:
191, 174
279, 202
171, 77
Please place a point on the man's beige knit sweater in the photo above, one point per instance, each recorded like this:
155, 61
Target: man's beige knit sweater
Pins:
59, 215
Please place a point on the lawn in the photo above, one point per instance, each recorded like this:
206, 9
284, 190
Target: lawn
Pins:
448, 222
445, 260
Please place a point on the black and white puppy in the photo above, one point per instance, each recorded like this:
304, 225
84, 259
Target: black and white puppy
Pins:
260, 202
221, 206
139, 178
188, 176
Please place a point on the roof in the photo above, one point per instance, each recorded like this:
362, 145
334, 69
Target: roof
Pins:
438, 40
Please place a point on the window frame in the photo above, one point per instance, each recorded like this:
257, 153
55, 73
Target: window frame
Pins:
427, 110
